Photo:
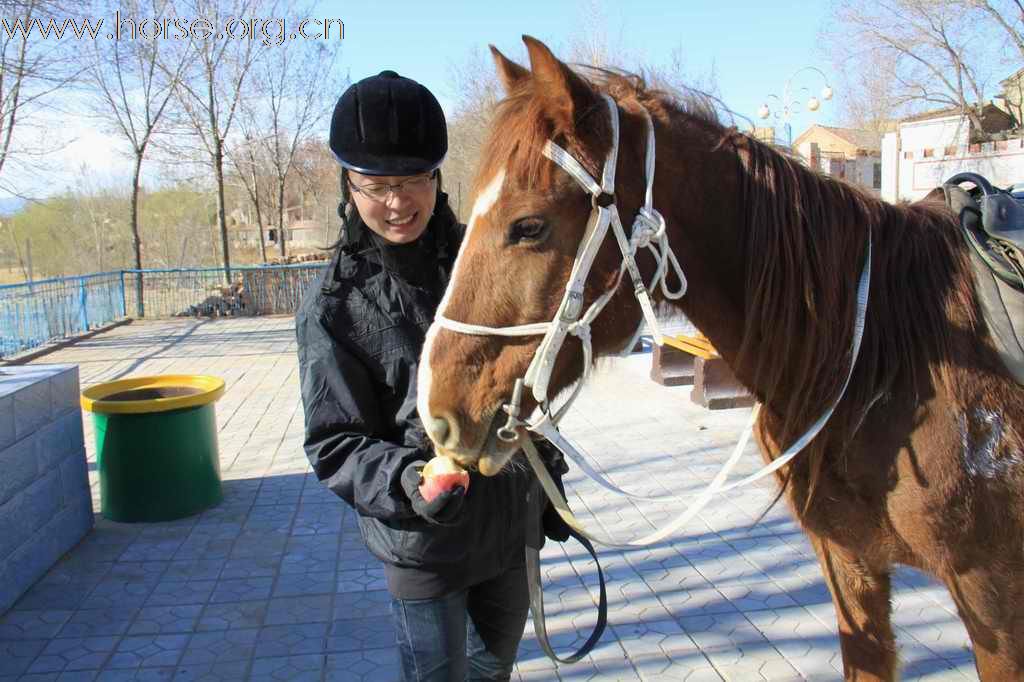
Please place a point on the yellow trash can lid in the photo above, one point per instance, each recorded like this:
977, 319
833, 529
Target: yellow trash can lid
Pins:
142, 395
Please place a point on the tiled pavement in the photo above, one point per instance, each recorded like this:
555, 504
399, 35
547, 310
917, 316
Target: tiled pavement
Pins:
274, 583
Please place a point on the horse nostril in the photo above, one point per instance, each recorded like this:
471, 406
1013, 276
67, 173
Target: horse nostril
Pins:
438, 429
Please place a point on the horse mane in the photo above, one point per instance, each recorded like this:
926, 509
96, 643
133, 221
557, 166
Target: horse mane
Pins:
806, 239
805, 236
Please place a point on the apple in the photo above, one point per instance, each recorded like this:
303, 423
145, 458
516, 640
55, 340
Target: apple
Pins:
442, 474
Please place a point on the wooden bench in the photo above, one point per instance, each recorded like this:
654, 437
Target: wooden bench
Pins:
685, 360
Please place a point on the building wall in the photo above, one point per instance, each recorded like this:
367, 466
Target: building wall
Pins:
910, 173
826, 141
890, 166
862, 172
936, 133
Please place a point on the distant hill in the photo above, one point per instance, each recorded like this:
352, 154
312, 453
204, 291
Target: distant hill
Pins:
9, 205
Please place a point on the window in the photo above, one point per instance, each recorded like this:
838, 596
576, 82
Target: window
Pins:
876, 181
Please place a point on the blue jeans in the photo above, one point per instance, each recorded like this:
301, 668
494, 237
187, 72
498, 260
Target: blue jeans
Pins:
438, 643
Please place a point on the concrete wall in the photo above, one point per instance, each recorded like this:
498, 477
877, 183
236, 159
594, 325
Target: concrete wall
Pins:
909, 175
890, 167
45, 503
935, 133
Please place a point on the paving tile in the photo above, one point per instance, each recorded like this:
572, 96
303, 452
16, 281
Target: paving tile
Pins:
194, 569
32, 624
308, 668
276, 641
365, 633
17, 656
76, 653
114, 592
99, 622
162, 620
149, 651
303, 609
164, 674
68, 676
305, 584
178, 593
356, 605
216, 671
223, 646
243, 589
253, 567
372, 665
232, 616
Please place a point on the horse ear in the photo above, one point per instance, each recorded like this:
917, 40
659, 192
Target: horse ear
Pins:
564, 93
510, 74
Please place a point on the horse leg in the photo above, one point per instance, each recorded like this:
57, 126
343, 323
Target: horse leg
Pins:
861, 599
990, 613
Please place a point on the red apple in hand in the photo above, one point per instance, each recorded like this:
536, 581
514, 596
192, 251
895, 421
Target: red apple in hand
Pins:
442, 474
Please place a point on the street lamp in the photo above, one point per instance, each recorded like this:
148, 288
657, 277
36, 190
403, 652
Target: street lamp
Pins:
788, 104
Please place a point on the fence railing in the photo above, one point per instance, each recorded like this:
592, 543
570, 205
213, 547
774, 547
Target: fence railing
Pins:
36, 313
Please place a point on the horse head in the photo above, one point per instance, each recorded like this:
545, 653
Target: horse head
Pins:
522, 246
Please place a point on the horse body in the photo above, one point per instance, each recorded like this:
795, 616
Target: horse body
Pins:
922, 462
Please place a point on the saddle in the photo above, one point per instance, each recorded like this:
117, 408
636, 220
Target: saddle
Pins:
992, 222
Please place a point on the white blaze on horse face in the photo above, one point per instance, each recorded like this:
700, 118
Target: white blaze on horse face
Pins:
487, 198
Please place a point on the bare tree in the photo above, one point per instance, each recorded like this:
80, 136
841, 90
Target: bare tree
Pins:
248, 171
133, 87
899, 56
32, 69
211, 92
299, 87
1008, 15
476, 85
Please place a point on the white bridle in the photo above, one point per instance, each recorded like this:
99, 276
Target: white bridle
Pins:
648, 231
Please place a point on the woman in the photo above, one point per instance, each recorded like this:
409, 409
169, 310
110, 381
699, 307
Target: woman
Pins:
360, 331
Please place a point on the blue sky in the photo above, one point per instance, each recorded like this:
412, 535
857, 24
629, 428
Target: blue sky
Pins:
754, 47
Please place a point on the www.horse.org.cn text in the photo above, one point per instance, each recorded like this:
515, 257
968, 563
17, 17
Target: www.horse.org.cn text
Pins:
268, 31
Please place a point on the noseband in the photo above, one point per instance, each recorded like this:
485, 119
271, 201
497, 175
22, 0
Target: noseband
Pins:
648, 231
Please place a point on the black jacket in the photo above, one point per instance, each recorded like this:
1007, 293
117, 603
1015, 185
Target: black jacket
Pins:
360, 329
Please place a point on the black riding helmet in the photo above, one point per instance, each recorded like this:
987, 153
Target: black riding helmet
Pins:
389, 125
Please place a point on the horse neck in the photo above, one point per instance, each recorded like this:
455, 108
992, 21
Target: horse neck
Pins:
765, 282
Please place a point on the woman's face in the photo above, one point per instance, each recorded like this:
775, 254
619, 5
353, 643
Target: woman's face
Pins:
398, 215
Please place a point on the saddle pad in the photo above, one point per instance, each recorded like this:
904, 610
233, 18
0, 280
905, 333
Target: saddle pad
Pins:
1003, 307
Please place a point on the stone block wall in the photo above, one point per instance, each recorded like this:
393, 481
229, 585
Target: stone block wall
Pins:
45, 502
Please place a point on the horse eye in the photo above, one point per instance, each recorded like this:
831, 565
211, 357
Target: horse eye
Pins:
527, 229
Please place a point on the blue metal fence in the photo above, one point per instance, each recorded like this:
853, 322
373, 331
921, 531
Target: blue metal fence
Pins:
33, 314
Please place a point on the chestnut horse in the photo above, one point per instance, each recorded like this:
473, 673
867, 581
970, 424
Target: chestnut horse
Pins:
922, 462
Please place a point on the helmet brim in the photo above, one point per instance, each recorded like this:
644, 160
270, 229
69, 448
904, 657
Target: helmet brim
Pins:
374, 164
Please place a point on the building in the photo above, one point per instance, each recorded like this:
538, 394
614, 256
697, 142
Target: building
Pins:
1012, 98
927, 149
848, 153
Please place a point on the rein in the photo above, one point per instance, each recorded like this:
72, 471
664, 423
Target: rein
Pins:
649, 231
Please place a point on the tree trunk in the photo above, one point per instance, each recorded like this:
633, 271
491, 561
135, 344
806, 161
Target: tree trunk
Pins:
280, 216
259, 213
140, 307
222, 222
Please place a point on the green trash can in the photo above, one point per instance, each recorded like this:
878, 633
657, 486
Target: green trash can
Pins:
156, 446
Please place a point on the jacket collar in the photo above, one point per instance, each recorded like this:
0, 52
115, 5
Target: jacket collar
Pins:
359, 252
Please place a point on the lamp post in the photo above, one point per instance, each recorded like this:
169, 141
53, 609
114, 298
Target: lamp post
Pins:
788, 103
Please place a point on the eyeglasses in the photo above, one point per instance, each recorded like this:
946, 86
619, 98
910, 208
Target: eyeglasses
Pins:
379, 191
